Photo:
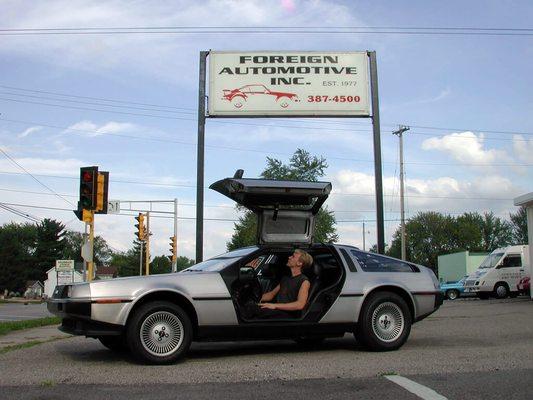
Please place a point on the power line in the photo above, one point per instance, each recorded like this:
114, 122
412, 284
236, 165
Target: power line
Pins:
19, 213
271, 30
34, 178
248, 150
332, 194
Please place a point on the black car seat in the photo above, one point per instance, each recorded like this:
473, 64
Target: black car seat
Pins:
267, 278
316, 280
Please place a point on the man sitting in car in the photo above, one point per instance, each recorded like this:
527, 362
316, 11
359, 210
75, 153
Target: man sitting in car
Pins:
291, 294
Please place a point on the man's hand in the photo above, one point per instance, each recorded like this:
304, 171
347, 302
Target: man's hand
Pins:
270, 306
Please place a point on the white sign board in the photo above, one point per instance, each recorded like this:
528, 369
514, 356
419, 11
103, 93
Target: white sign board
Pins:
288, 83
64, 265
64, 277
113, 207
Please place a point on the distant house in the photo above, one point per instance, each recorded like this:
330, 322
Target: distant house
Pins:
109, 272
34, 289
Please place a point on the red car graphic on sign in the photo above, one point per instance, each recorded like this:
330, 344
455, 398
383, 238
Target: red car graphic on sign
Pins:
238, 97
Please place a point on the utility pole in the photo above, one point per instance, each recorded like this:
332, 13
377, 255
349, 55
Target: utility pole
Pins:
364, 245
174, 261
399, 133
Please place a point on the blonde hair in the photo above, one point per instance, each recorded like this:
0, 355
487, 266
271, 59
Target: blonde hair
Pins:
305, 258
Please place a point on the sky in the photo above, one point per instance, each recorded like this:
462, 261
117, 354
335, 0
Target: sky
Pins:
128, 104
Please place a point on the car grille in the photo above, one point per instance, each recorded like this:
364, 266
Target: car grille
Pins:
470, 282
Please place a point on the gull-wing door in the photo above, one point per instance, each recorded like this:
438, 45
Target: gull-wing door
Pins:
285, 210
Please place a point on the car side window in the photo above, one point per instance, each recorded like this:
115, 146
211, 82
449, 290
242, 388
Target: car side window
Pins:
371, 262
512, 261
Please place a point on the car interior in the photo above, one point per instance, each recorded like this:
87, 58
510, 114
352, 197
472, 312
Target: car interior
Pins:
325, 275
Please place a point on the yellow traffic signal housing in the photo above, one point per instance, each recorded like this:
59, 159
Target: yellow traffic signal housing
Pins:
173, 248
101, 192
141, 233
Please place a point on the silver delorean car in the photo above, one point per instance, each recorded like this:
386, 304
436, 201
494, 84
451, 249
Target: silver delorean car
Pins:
156, 317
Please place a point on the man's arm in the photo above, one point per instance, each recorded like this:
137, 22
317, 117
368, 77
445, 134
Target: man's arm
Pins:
269, 296
297, 305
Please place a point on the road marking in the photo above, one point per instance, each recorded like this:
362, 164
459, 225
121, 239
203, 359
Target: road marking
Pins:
416, 388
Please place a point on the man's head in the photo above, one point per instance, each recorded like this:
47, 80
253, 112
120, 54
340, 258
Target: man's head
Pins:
300, 259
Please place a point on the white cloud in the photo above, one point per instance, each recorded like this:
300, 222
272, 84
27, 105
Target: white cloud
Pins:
68, 166
354, 191
467, 148
92, 129
29, 131
170, 52
523, 148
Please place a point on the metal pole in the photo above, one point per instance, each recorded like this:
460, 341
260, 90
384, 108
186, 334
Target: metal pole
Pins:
147, 249
364, 244
400, 132
141, 260
377, 152
175, 262
200, 160
84, 262
90, 264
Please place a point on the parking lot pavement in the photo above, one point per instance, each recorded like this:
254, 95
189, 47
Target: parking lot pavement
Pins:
21, 311
465, 347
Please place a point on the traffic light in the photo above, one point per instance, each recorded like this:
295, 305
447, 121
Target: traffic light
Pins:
88, 189
173, 248
141, 234
102, 185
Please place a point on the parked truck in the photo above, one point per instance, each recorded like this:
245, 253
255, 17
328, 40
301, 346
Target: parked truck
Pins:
500, 272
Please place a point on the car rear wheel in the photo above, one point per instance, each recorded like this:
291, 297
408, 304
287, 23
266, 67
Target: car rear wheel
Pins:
384, 323
159, 333
501, 291
237, 101
452, 294
114, 343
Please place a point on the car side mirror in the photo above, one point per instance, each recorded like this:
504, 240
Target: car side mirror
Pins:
246, 274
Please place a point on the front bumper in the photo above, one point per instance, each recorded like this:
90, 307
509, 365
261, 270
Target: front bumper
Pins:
76, 318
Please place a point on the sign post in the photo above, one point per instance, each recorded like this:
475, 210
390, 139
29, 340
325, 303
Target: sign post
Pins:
289, 84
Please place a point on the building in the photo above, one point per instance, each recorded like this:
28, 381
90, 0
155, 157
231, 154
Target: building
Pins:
108, 272
454, 266
34, 289
52, 277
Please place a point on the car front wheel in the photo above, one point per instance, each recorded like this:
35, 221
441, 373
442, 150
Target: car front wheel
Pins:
159, 332
384, 323
501, 291
452, 294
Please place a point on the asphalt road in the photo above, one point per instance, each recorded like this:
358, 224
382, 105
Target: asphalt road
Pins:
21, 311
469, 349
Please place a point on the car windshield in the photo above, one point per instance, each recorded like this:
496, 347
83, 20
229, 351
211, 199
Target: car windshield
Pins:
221, 261
491, 260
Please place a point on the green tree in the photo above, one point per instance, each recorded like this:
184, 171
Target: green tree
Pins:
17, 248
73, 243
519, 226
49, 247
128, 262
160, 265
301, 167
428, 236
495, 232
183, 262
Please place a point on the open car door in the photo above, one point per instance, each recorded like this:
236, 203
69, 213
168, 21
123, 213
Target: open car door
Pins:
285, 210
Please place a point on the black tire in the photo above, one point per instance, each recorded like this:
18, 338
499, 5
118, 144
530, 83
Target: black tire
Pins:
501, 290
309, 341
452, 294
167, 333
384, 323
513, 295
114, 343
483, 295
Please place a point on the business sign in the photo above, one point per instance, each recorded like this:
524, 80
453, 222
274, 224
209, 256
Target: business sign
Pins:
288, 83
64, 265
64, 277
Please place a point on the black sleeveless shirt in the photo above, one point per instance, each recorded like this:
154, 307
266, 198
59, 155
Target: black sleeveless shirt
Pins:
289, 288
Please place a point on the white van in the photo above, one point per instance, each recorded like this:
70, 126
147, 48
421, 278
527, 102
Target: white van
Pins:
499, 273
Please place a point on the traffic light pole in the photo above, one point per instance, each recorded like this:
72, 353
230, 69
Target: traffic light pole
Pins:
141, 260
90, 264
175, 261
147, 250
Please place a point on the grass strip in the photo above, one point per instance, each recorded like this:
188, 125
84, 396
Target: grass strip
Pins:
10, 326
25, 345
